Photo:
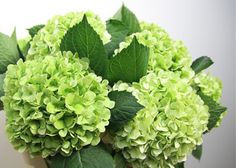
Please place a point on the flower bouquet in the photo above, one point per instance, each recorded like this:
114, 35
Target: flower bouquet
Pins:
81, 93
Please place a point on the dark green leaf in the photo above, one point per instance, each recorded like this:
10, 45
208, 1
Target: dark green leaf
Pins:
197, 153
9, 53
128, 18
21, 54
201, 63
119, 161
60, 161
215, 110
118, 32
34, 30
89, 157
130, 64
180, 165
84, 40
96, 157
2, 76
126, 107
1, 105
57, 161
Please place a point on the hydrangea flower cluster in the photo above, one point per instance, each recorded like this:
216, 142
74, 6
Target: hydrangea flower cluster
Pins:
48, 39
170, 125
165, 53
55, 105
209, 85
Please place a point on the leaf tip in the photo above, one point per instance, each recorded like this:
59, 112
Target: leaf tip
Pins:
201, 64
123, 5
85, 18
13, 35
135, 40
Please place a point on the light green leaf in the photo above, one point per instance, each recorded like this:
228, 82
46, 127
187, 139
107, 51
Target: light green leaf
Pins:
124, 111
197, 153
119, 161
130, 64
9, 53
84, 40
24, 45
215, 110
89, 157
13, 35
201, 63
128, 18
14, 38
118, 32
34, 30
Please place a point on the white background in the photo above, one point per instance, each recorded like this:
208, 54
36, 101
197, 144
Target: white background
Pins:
206, 26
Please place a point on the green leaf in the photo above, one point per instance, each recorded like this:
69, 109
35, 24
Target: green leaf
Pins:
215, 110
130, 64
119, 161
89, 157
34, 30
84, 40
22, 53
9, 53
118, 32
197, 153
13, 37
180, 165
128, 18
23, 48
126, 107
73, 161
1, 105
201, 63
96, 157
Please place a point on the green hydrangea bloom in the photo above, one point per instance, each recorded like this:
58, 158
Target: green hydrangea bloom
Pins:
210, 86
48, 39
169, 127
55, 105
165, 53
